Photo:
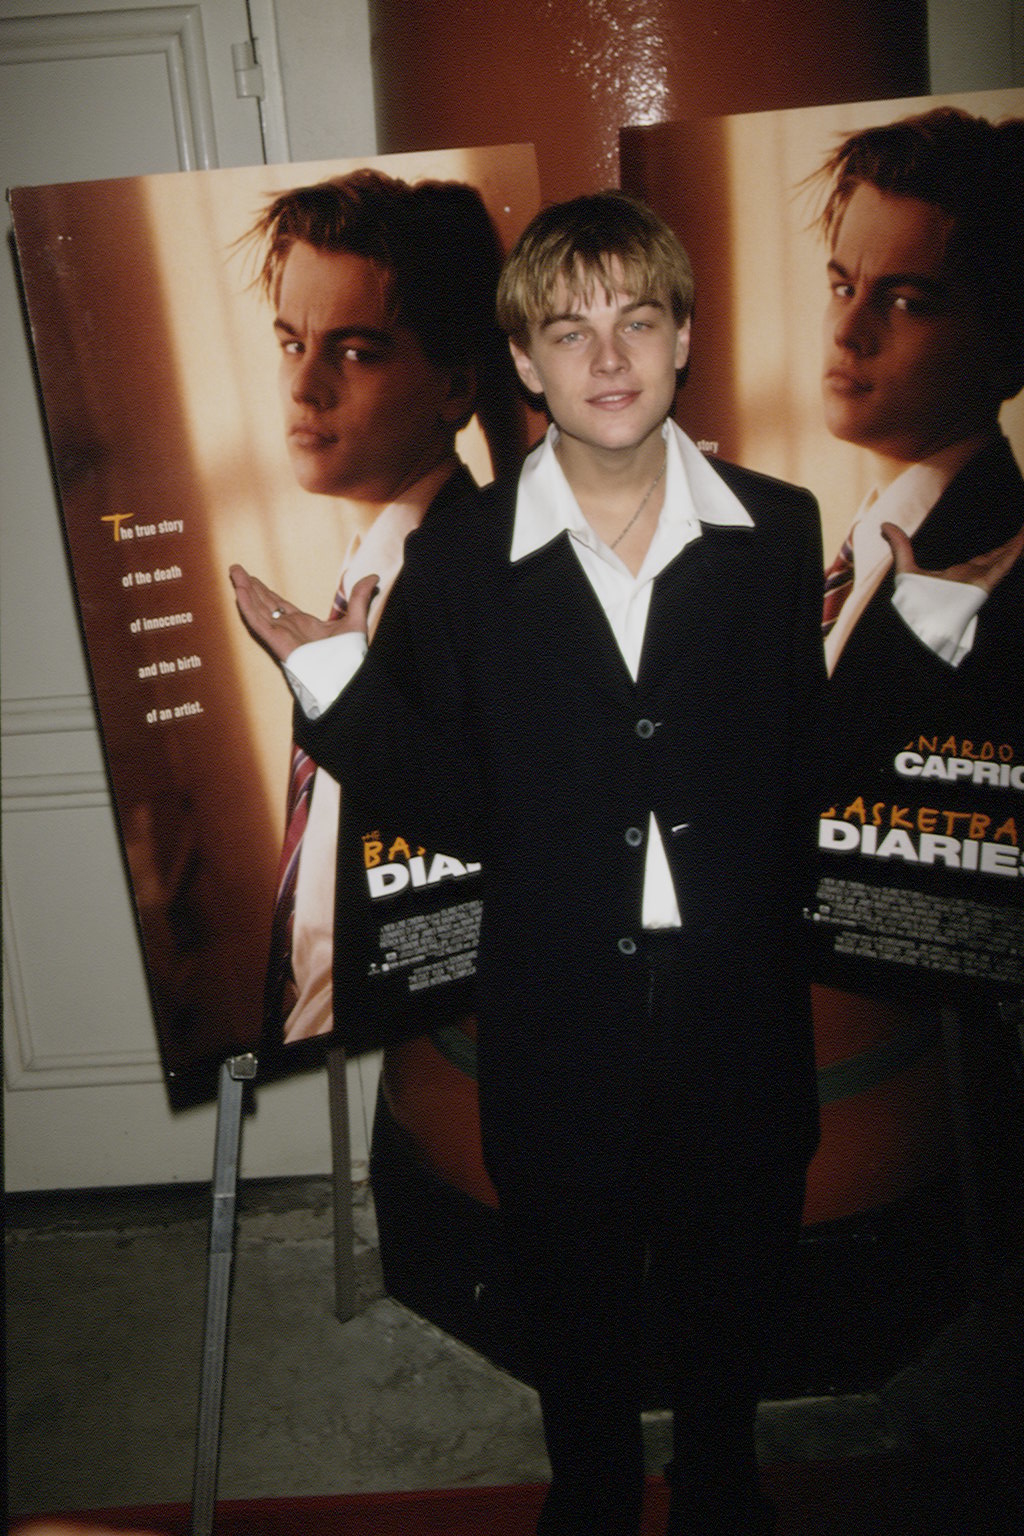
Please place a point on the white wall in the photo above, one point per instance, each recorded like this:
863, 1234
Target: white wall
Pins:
324, 48
975, 45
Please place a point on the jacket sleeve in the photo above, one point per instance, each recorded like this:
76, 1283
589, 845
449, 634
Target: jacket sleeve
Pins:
394, 738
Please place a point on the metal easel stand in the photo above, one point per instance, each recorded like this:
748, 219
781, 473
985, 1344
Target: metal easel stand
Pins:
234, 1074
341, 1166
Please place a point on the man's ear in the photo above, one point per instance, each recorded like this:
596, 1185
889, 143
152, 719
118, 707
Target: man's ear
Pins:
682, 345
460, 399
528, 374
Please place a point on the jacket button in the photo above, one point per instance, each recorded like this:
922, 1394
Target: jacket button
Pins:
645, 729
627, 946
634, 837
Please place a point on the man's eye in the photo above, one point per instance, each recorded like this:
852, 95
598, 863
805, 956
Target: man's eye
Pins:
290, 347
365, 355
913, 304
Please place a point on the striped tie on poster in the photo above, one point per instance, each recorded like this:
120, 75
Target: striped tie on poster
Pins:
838, 583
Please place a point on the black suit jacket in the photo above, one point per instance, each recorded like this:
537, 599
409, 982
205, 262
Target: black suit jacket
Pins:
495, 697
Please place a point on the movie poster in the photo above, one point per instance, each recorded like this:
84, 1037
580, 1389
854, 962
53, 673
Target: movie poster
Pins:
921, 837
173, 451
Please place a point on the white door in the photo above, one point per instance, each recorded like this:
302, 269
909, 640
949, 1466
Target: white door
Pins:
90, 93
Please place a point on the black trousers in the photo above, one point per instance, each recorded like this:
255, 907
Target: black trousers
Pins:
688, 1246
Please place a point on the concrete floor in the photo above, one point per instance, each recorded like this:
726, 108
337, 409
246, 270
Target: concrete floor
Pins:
105, 1300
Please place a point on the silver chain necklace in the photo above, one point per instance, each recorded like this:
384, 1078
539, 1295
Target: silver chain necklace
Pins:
647, 496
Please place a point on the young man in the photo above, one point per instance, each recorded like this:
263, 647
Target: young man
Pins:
612, 664
383, 297
924, 605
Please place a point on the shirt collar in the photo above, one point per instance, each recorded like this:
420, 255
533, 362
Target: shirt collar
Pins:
694, 494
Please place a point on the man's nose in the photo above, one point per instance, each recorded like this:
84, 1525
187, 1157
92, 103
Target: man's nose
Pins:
853, 328
311, 383
609, 354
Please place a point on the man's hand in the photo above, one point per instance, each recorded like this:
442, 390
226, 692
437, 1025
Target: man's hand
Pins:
281, 628
984, 571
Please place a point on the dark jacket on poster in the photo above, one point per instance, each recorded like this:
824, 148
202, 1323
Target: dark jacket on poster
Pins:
884, 667
495, 697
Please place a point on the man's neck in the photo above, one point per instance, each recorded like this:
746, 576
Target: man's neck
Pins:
619, 491
607, 473
419, 486
951, 457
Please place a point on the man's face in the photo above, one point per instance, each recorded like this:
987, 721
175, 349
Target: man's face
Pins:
606, 366
366, 414
907, 365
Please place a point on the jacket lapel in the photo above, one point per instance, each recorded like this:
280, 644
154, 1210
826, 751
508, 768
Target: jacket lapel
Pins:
694, 603
558, 615
979, 510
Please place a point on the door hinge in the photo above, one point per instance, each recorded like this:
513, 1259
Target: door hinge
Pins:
248, 71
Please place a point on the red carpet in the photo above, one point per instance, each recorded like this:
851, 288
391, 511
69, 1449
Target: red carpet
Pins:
856, 1497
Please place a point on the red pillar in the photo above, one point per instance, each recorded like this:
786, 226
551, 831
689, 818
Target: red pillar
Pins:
567, 74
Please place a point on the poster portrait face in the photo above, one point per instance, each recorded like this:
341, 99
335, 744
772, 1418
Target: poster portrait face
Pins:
200, 417
363, 406
905, 344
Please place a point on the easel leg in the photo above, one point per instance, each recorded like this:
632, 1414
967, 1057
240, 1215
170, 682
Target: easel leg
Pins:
341, 1162
233, 1075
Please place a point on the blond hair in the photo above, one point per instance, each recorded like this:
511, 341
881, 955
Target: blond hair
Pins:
603, 240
